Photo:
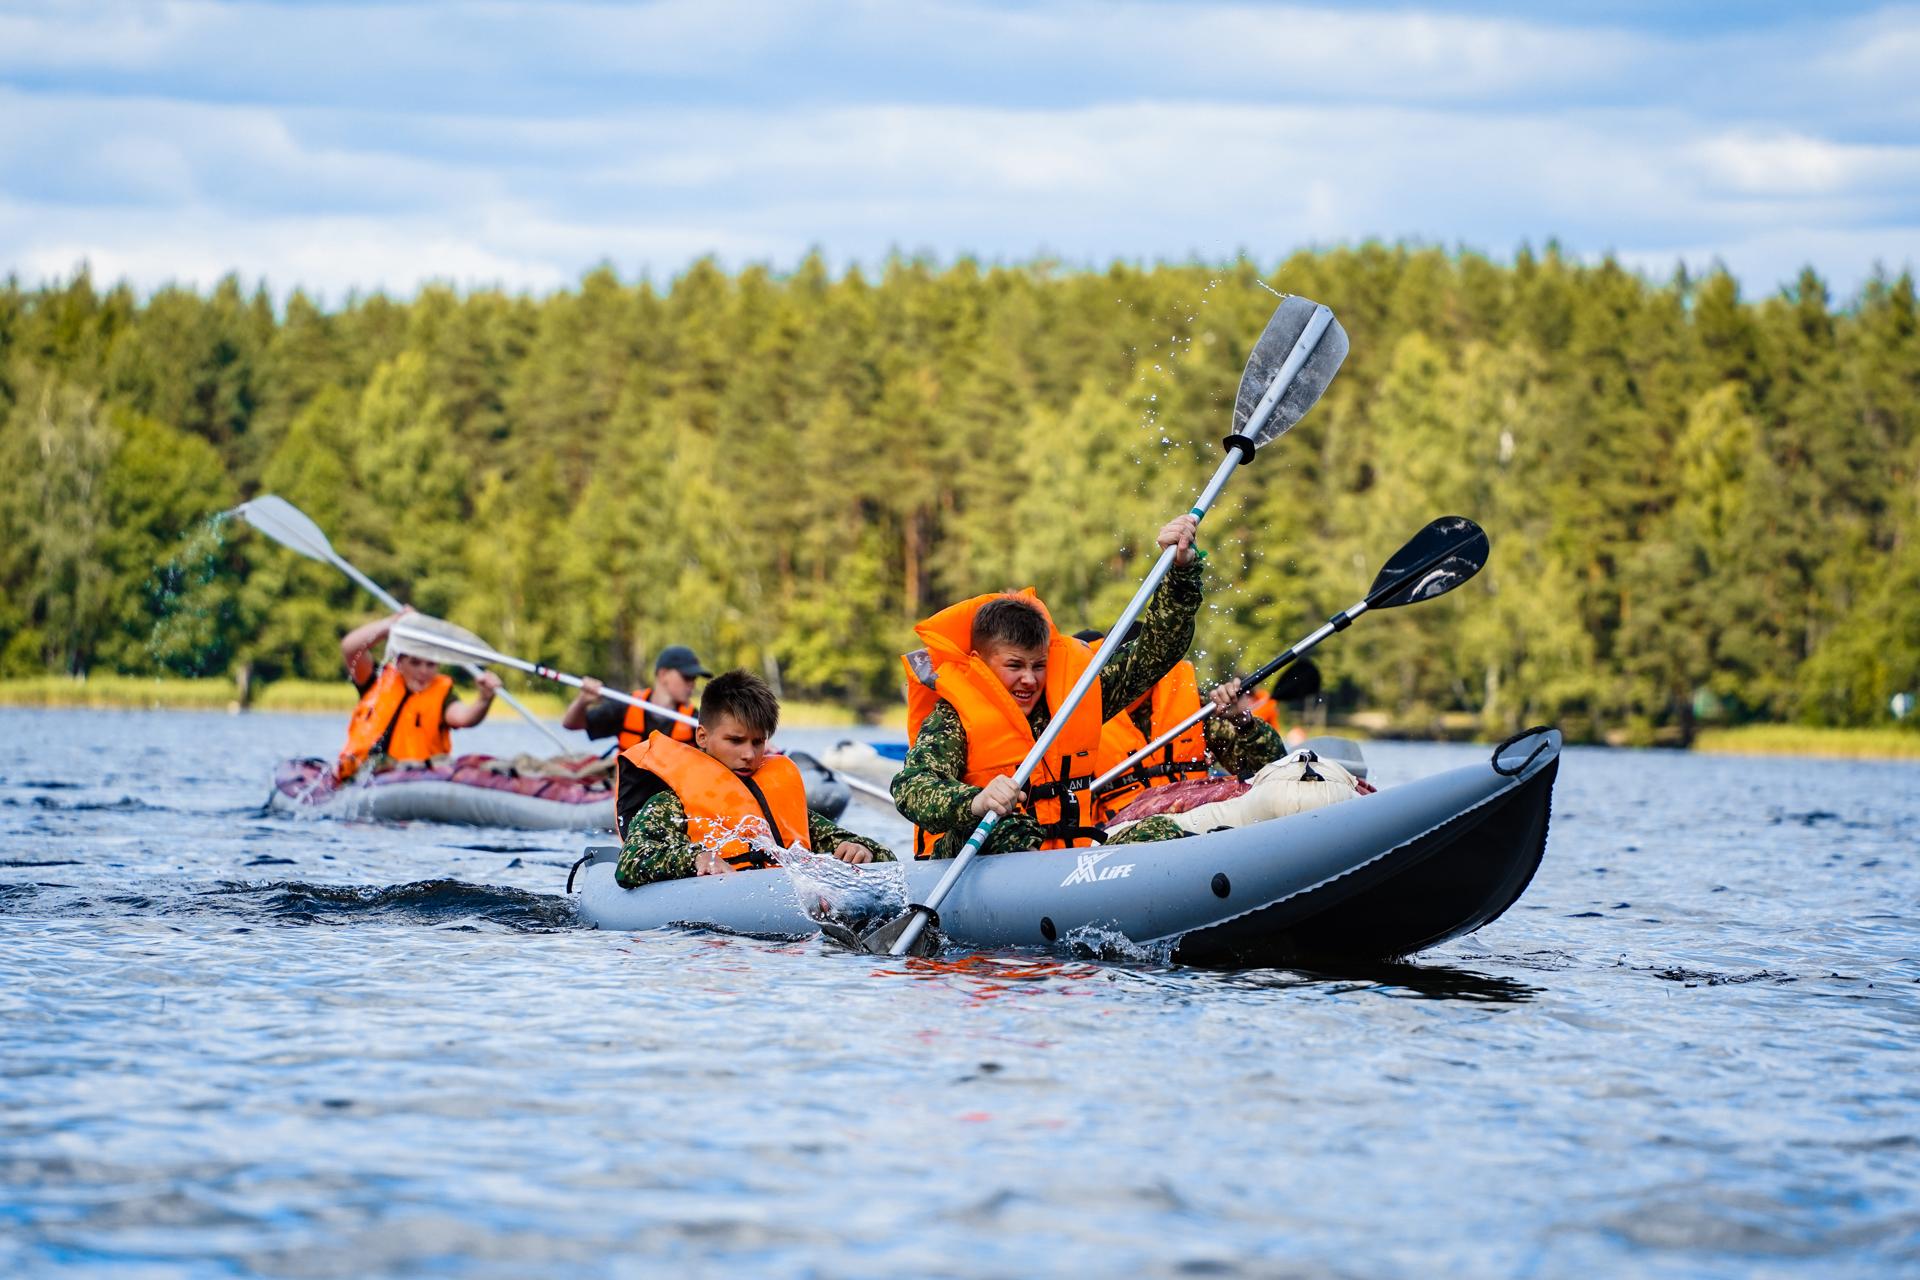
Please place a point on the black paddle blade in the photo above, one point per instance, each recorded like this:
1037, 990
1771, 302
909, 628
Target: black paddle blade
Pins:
1439, 558
1284, 331
1301, 680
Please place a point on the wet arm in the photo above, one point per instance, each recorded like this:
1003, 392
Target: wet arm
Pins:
826, 836
1166, 633
465, 715
928, 790
1242, 744
356, 646
656, 847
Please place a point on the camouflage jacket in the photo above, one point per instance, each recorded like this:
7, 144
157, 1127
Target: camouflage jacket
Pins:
657, 848
928, 789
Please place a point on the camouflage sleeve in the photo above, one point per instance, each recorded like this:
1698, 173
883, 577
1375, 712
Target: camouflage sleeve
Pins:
1166, 633
656, 847
928, 790
1242, 744
826, 836
929, 793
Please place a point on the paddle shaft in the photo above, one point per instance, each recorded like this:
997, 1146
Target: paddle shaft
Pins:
482, 654
866, 788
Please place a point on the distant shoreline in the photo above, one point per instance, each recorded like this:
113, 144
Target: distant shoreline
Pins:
324, 697
315, 697
1807, 740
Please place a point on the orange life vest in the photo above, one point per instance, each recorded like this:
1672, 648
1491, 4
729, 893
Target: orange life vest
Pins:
998, 733
407, 726
1265, 708
1176, 697
724, 810
633, 729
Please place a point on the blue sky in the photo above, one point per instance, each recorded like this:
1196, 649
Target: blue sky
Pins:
380, 143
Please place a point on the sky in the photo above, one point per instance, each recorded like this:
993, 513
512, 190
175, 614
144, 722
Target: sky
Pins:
379, 144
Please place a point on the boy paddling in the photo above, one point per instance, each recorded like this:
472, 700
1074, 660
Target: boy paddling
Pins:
692, 810
406, 706
982, 691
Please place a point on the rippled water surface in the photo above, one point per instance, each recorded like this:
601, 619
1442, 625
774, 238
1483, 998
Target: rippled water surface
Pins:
234, 1044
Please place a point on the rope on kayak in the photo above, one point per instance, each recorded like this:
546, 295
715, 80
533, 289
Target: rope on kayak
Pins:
1520, 737
585, 858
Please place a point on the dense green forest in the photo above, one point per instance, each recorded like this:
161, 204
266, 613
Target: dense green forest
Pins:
1701, 507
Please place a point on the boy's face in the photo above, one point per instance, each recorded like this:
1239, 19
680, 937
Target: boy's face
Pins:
677, 687
418, 673
1022, 671
732, 743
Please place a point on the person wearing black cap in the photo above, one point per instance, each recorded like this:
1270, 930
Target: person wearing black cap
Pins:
673, 676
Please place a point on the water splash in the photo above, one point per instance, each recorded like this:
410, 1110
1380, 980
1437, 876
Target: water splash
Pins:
1099, 942
856, 896
189, 611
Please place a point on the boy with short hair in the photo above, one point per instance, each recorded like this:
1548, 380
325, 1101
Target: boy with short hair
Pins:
693, 810
981, 694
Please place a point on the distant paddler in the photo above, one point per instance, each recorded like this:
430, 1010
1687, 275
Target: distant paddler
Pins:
407, 704
673, 675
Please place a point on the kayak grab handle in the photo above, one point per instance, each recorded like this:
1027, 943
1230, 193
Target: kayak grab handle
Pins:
595, 853
1519, 737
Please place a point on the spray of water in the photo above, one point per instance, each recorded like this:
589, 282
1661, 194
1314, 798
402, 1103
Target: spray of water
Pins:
829, 889
186, 636
1098, 942
825, 887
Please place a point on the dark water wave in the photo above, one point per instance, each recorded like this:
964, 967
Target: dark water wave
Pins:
430, 903
425, 903
125, 804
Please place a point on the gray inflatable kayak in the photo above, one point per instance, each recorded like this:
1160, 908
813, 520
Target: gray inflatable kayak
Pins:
467, 794
1375, 878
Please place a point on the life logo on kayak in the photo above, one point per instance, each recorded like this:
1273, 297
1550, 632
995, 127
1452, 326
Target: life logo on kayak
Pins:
1090, 870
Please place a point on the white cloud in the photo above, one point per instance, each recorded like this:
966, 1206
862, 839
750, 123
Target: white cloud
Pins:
380, 145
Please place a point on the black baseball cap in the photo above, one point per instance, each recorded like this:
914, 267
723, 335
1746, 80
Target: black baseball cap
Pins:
677, 657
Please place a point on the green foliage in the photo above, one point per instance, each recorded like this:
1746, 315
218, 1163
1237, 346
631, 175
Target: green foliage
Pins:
1700, 505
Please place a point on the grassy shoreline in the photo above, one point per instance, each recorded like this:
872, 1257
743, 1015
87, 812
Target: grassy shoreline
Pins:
1808, 740
320, 697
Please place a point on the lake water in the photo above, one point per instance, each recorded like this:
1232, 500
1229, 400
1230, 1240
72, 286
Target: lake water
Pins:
233, 1044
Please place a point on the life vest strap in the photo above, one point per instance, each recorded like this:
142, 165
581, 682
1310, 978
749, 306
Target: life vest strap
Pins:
754, 855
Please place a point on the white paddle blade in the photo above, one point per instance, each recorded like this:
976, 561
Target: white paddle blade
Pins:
1325, 348
423, 637
287, 525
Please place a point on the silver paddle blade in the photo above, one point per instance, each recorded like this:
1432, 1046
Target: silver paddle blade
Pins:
879, 940
423, 637
1258, 413
287, 525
